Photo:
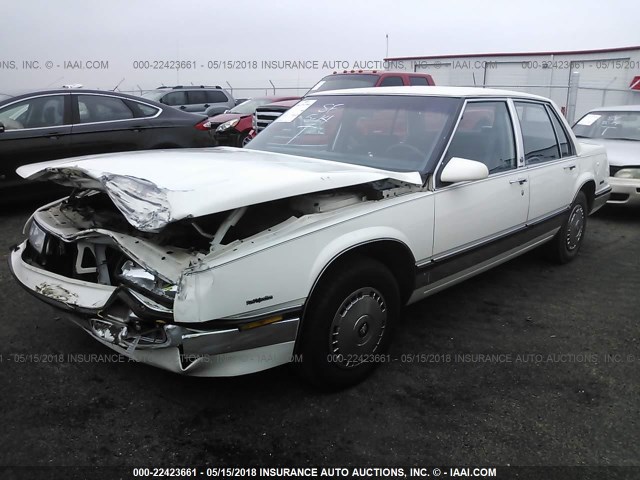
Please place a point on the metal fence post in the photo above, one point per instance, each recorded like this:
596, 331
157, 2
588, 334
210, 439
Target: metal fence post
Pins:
572, 96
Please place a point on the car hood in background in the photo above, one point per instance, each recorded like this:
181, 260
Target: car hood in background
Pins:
619, 152
155, 188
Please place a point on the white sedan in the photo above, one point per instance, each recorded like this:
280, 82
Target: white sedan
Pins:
305, 246
617, 129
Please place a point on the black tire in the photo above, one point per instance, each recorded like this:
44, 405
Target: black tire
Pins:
566, 244
360, 299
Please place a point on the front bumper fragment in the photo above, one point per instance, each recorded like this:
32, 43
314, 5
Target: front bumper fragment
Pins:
199, 352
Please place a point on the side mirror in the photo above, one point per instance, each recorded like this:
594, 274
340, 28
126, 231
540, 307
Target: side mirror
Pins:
1, 127
464, 170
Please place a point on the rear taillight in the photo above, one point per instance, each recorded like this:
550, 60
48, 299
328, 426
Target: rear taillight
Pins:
204, 125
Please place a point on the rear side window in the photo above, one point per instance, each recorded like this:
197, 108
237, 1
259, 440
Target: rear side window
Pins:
565, 145
540, 144
175, 98
216, 96
146, 110
197, 96
485, 134
96, 108
391, 82
418, 81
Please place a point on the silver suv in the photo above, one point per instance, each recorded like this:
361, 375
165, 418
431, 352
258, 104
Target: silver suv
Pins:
197, 99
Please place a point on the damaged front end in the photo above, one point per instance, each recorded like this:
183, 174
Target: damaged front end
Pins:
120, 284
132, 259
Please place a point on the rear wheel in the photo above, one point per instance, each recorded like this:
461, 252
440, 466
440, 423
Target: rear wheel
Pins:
565, 245
349, 323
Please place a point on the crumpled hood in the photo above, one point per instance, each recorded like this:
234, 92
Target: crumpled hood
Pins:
155, 188
620, 153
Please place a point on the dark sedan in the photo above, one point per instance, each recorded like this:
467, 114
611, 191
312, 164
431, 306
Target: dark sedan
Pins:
53, 124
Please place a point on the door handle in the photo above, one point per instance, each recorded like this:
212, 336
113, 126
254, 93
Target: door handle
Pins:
570, 167
206, 105
137, 128
182, 107
519, 180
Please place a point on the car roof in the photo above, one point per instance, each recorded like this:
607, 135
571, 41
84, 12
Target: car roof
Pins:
430, 91
619, 108
33, 93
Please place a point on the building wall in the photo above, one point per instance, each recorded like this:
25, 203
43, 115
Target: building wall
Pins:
603, 77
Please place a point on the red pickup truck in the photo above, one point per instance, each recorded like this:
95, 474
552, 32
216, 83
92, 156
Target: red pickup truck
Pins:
266, 114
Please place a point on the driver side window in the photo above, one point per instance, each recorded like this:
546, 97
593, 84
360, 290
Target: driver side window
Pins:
485, 134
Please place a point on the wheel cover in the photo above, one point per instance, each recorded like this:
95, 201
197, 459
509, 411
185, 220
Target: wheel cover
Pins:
575, 227
357, 327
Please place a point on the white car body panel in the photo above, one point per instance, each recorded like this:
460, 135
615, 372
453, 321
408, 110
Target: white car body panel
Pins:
313, 248
458, 205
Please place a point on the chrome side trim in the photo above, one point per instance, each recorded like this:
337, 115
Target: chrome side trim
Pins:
421, 293
477, 243
547, 216
266, 311
486, 240
234, 340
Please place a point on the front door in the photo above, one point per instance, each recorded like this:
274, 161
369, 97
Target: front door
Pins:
474, 221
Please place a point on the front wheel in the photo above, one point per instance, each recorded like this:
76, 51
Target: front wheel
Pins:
565, 245
348, 323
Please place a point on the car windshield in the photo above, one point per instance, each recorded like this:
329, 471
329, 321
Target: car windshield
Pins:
344, 81
154, 94
391, 132
249, 107
609, 125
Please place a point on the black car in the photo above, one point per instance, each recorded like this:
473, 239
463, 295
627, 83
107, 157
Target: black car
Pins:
52, 124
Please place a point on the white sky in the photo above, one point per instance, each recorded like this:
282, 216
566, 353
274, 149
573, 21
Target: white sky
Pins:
121, 32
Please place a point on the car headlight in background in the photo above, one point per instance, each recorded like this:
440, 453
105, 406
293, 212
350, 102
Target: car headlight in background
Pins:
227, 125
136, 276
37, 236
628, 173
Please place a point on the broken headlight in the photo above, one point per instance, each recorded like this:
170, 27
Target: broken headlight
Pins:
37, 236
146, 282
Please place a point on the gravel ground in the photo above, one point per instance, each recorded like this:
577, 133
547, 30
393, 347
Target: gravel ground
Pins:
550, 377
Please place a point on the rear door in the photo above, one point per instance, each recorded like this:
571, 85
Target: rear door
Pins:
550, 160
196, 101
104, 123
36, 129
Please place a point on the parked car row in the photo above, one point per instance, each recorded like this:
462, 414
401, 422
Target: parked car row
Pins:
52, 124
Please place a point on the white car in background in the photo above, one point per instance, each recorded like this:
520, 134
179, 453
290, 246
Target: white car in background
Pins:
617, 129
306, 244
